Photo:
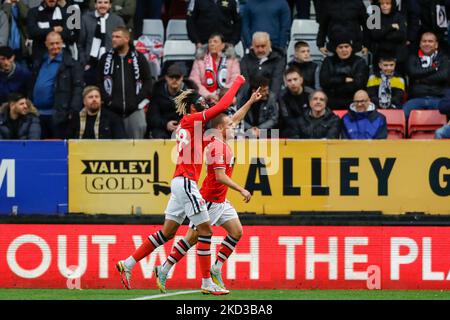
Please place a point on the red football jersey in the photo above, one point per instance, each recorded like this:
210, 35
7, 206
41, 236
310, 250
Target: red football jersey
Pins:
189, 135
218, 155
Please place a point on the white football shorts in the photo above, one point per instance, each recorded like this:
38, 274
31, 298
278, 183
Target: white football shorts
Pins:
186, 201
219, 213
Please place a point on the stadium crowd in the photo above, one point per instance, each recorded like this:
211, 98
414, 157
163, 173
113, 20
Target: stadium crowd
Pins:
63, 78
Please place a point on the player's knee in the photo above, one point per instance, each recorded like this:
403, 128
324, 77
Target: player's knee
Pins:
237, 234
205, 229
169, 234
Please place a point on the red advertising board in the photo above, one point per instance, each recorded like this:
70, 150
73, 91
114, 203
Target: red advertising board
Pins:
267, 257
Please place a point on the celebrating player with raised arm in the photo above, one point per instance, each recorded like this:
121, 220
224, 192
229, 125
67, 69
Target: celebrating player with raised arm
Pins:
186, 199
220, 161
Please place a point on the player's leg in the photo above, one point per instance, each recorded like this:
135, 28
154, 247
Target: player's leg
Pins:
174, 217
230, 222
179, 250
204, 257
149, 244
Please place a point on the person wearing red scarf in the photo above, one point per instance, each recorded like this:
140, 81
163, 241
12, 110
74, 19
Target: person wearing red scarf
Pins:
215, 67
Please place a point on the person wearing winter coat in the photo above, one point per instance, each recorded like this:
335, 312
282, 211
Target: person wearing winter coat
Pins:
428, 72
14, 77
363, 121
390, 39
263, 60
293, 102
214, 68
343, 74
264, 114
318, 121
19, 119
162, 117
385, 88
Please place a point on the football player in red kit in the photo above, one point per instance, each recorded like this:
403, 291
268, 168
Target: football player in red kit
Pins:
220, 161
185, 199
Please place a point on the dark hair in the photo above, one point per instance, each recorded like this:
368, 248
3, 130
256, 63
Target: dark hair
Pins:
259, 81
300, 44
14, 97
387, 59
292, 69
217, 34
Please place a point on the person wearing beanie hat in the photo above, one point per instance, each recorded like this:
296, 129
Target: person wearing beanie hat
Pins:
343, 74
14, 78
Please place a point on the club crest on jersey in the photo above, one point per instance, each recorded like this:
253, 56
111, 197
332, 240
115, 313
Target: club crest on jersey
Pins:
225, 4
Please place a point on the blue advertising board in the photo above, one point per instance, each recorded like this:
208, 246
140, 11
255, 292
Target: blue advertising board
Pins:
33, 177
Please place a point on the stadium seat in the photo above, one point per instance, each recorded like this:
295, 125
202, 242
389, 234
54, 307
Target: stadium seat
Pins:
316, 55
340, 113
303, 29
178, 50
423, 123
396, 123
153, 28
177, 30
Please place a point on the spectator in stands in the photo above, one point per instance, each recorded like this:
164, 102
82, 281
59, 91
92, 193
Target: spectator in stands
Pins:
363, 121
162, 117
433, 19
264, 114
428, 72
340, 18
18, 119
265, 61
93, 121
390, 39
386, 90
271, 16
293, 102
14, 78
309, 69
58, 83
125, 9
214, 68
206, 17
47, 17
343, 74
4, 29
126, 82
96, 37
16, 11
318, 121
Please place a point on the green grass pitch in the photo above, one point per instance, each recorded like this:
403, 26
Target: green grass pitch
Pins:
103, 294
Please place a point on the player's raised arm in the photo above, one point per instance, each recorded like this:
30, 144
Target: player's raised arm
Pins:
240, 114
226, 100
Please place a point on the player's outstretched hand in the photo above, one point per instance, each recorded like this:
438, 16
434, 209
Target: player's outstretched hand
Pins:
247, 195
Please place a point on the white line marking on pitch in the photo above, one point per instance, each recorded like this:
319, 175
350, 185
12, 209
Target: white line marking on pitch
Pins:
156, 296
